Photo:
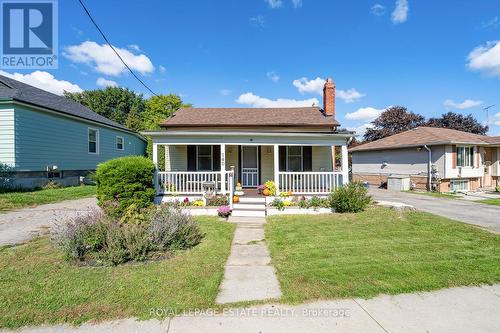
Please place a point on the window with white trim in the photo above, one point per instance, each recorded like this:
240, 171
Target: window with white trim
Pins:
465, 156
119, 143
294, 158
204, 158
460, 185
93, 141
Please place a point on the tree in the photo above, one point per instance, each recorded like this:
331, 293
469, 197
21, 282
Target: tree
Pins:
114, 103
159, 108
394, 120
458, 122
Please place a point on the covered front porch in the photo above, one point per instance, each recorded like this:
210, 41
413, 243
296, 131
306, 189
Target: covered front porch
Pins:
303, 163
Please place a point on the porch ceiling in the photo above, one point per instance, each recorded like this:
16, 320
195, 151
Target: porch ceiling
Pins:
249, 138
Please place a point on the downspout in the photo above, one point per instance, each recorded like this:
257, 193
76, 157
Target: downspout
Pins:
429, 166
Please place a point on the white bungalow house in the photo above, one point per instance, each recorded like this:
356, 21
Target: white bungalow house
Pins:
294, 147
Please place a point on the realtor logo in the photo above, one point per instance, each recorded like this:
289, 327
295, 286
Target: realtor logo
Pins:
29, 34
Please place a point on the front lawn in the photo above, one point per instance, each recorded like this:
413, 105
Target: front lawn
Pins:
378, 251
495, 202
436, 194
15, 200
38, 286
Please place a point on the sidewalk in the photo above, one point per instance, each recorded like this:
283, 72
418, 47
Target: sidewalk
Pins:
465, 309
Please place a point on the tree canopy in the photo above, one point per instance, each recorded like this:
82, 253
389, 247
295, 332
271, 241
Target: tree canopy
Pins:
398, 119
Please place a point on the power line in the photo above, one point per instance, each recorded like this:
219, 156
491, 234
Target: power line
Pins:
111, 46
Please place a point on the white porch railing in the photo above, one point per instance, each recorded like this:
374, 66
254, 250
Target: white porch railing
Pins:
189, 182
309, 182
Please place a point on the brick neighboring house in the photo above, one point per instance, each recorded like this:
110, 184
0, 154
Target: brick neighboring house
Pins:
464, 161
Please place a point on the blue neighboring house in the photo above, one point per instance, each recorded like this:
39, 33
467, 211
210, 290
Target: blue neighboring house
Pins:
46, 137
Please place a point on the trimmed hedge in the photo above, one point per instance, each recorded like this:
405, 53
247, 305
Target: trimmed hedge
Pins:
124, 181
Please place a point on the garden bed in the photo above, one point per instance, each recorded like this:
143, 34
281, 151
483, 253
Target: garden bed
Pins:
294, 210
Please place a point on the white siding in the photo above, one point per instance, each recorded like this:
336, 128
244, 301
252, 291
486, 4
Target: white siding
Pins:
7, 145
175, 158
322, 158
267, 163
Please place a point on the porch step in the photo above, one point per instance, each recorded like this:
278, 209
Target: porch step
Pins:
249, 206
252, 200
249, 213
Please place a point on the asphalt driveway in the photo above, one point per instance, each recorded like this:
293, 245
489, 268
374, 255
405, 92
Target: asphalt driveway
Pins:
21, 225
482, 215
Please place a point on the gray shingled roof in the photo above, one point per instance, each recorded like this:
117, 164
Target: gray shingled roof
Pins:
18, 91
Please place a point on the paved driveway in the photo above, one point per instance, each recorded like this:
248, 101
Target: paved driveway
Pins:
21, 225
485, 216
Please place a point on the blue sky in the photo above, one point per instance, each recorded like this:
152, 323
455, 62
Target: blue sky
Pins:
430, 56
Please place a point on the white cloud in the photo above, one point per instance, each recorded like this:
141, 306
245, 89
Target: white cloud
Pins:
102, 82
274, 3
309, 86
496, 119
400, 13
315, 86
360, 130
261, 102
162, 69
365, 114
45, 81
492, 24
273, 76
349, 95
377, 10
466, 104
104, 60
225, 92
136, 48
258, 21
297, 3
486, 59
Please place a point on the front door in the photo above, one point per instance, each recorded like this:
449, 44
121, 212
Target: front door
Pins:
249, 166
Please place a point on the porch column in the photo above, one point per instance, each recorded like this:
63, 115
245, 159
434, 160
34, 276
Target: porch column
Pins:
276, 168
155, 161
223, 168
345, 164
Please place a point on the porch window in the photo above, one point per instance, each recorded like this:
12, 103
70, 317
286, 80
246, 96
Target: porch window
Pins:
465, 156
294, 158
204, 158
93, 141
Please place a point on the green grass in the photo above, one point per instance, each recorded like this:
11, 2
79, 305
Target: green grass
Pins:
436, 194
15, 200
495, 202
378, 251
38, 286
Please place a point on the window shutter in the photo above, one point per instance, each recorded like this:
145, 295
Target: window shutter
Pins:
216, 157
453, 157
191, 158
282, 158
307, 158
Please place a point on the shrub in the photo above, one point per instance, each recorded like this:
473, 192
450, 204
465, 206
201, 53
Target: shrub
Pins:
51, 185
497, 188
170, 228
217, 200
124, 181
271, 187
79, 235
278, 203
350, 198
224, 211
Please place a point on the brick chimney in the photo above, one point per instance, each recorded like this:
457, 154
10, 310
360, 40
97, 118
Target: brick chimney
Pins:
329, 98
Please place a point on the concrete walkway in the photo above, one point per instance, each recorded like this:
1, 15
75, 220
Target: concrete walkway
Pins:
248, 275
466, 309
21, 225
482, 215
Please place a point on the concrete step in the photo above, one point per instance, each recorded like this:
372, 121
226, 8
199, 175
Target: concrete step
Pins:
249, 213
246, 220
252, 200
249, 206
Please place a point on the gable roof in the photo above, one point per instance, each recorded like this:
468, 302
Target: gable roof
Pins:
18, 91
250, 117
425, 136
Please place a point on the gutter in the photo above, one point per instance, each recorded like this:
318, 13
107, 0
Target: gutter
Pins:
429, 166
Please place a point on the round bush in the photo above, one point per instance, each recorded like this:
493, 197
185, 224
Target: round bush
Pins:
350, 198
124, 181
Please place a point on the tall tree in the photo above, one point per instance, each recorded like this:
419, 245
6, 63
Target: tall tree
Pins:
458, 122
394, 120
114, 103
159, 108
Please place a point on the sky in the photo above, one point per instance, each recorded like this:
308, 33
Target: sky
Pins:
430, 56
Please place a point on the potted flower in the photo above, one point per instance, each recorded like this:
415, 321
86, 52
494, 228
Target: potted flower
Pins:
260, 188
224, 211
